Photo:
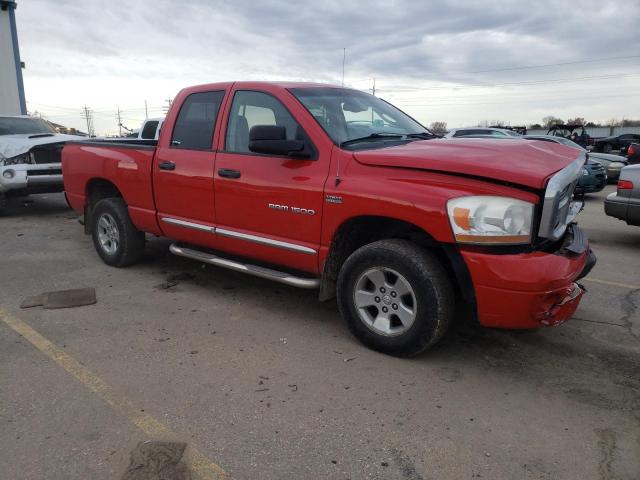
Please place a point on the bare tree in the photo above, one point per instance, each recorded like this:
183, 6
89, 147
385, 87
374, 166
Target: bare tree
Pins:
576, 121
488, 123
551, 120
439, 128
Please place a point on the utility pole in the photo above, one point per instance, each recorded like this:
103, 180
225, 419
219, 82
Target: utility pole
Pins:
87, 114
119, 121
344, 57
373, 92
169, 102
146, 112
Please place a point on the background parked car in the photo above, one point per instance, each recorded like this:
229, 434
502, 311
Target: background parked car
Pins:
611, 163
477, 131
594, 176
619, 142
29, 157
633, 154
624, 204
576, 133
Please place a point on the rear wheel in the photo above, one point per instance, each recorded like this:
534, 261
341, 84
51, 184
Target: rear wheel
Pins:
395, 297
118, 242
607, 147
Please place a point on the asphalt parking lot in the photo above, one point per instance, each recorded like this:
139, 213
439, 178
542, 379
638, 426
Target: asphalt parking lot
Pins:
262, 381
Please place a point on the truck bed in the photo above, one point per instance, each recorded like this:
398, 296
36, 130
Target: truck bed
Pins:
127, 163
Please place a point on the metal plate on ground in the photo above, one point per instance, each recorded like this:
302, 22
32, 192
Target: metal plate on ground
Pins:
62, 299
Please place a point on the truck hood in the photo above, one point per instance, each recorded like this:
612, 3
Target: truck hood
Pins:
522, 162
12, 145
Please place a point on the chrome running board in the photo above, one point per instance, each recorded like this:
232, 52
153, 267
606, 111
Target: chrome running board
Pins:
262, 272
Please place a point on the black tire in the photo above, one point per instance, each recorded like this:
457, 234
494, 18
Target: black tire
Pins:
130, 240
607, 148
431, 285
3, 203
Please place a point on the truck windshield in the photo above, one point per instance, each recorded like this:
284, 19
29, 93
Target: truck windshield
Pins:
354, 118
24, 125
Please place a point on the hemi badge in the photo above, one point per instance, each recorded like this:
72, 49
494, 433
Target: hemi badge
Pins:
333, 199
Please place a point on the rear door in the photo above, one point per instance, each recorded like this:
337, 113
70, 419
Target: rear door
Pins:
183, 170
268, 206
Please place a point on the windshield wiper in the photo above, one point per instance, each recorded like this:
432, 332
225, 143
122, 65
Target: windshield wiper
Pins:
421, 135
373, 136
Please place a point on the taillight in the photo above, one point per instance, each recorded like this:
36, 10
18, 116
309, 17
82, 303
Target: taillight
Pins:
631, 150
625, 185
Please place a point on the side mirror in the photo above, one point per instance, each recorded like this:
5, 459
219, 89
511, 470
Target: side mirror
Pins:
272, 140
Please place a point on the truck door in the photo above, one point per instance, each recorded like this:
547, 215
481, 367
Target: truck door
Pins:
268, 206
183, 171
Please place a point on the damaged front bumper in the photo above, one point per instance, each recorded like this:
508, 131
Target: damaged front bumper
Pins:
530, 290
31, 178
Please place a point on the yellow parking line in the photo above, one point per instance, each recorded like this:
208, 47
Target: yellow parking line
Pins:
613, 284
200, 465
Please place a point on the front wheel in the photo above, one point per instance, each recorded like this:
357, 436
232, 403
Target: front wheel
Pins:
395, 297
607, 148
118, 242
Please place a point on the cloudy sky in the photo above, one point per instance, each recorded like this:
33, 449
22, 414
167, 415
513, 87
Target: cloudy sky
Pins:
461, 62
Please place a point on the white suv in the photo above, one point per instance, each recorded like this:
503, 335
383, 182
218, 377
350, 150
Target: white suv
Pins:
481, 132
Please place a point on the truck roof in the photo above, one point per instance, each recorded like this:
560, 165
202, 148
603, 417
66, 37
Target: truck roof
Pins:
258, 84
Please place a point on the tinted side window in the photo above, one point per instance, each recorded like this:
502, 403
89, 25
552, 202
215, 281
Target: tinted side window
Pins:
255, 108
149, 130
196, 121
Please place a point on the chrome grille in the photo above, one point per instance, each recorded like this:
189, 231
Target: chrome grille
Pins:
558, 209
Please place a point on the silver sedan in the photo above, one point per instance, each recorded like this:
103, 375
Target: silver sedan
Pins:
624, 204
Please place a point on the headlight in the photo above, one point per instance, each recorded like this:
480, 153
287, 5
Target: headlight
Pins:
585, 171
490, 220
24, 158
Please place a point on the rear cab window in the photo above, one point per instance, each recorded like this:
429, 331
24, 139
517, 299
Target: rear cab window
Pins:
197, 120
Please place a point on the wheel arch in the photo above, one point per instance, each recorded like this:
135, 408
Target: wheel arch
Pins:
356, 232
98, 189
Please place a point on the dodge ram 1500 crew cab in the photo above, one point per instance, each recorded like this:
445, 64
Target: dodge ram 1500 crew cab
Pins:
330, 188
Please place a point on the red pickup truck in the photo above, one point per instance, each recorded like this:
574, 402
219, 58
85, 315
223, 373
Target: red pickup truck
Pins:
331, 188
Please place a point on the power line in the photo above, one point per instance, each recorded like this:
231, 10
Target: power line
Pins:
576, 62
506, 84
527, 100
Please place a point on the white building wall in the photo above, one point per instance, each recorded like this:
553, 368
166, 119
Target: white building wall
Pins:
9, 93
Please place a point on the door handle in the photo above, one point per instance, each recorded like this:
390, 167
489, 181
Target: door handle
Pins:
227, 173
167, 166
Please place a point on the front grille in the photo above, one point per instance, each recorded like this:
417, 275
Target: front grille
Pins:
558, 209
46, 154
